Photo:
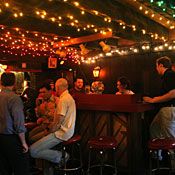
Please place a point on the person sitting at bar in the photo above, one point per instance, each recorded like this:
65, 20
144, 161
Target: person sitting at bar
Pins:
46, 105
123, 86
78, 87
61, 129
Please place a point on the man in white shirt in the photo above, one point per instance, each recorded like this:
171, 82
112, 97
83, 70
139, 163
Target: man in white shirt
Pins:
61, 129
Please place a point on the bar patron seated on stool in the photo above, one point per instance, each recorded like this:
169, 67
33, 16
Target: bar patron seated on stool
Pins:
61, 129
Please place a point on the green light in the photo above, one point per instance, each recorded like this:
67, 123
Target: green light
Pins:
173, 15
151, 1
159, 3
164, 9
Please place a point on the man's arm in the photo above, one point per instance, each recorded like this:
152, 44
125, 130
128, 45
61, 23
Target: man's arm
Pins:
23, 142
58, 119
159, 99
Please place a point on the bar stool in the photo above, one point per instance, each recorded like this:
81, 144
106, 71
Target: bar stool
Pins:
155, 145
100, 145
30, 125
73, 165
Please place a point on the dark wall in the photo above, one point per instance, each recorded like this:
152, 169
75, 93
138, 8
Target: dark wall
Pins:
138, 68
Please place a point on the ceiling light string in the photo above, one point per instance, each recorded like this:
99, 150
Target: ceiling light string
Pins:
167, 9
148, 10
43, 14
109, 19
135, 49
75, 23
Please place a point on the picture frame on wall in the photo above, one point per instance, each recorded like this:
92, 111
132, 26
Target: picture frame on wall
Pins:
52, 62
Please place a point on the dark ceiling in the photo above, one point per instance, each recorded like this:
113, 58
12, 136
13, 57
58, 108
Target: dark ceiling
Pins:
61, 19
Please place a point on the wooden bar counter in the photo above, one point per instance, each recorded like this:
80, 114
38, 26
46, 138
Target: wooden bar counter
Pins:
121, 116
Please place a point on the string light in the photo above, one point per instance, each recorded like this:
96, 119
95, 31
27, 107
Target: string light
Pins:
79, 26
107, 18
130, 50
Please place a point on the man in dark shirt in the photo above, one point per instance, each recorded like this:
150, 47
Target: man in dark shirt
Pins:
78, 87
13, 147
163, 125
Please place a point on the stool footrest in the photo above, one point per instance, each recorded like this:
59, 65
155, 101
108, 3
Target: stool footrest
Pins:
161, 168
70, 165
101, 166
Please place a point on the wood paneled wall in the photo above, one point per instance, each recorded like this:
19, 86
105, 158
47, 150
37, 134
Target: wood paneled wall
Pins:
138, 68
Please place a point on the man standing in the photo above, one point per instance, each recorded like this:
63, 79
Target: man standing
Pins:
13, 147
62, 127
78, 87
163, 125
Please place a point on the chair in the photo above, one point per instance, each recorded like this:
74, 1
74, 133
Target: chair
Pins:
73, 165
100, 145
166, 145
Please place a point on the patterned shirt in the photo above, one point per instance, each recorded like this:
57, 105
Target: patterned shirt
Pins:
46, 109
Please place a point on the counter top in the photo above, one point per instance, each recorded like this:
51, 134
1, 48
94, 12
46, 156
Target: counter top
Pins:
113, 103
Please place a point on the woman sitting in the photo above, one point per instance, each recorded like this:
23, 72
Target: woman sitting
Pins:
123, 86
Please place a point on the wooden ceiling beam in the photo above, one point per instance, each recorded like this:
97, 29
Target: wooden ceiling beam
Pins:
83, 39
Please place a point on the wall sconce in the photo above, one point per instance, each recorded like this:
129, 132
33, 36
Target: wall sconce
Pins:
84, 51
96, 71
105, 47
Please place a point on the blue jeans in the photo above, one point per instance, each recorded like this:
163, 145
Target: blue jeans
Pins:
42, 149
163, 125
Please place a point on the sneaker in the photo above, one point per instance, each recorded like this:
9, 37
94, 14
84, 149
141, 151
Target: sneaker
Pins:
61, 163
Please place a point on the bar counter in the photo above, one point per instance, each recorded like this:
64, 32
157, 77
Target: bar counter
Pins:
120, 116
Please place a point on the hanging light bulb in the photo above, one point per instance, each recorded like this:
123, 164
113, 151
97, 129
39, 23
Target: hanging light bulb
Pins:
105, 47
84, 51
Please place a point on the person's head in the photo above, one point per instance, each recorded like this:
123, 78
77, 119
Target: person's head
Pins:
52, 85
51, 82
8, 79
61, 85
45, 91
162, 64
123, 84
78, 84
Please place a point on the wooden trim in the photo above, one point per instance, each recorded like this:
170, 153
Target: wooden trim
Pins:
83, 39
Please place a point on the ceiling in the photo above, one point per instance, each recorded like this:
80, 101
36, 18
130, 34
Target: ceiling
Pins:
28, 29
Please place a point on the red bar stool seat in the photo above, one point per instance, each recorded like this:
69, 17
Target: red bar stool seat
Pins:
100, 145
73, 165
30, 125
159, 144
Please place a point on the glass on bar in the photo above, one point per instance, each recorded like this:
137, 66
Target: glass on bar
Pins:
87, 89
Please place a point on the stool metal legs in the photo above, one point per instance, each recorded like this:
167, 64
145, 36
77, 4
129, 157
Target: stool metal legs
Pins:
66, 169
102, 165
115, 161
154, 155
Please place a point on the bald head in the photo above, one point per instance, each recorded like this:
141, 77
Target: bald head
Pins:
61, 85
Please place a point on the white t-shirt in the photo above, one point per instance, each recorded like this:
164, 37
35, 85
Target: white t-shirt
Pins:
67, 108
129, 92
